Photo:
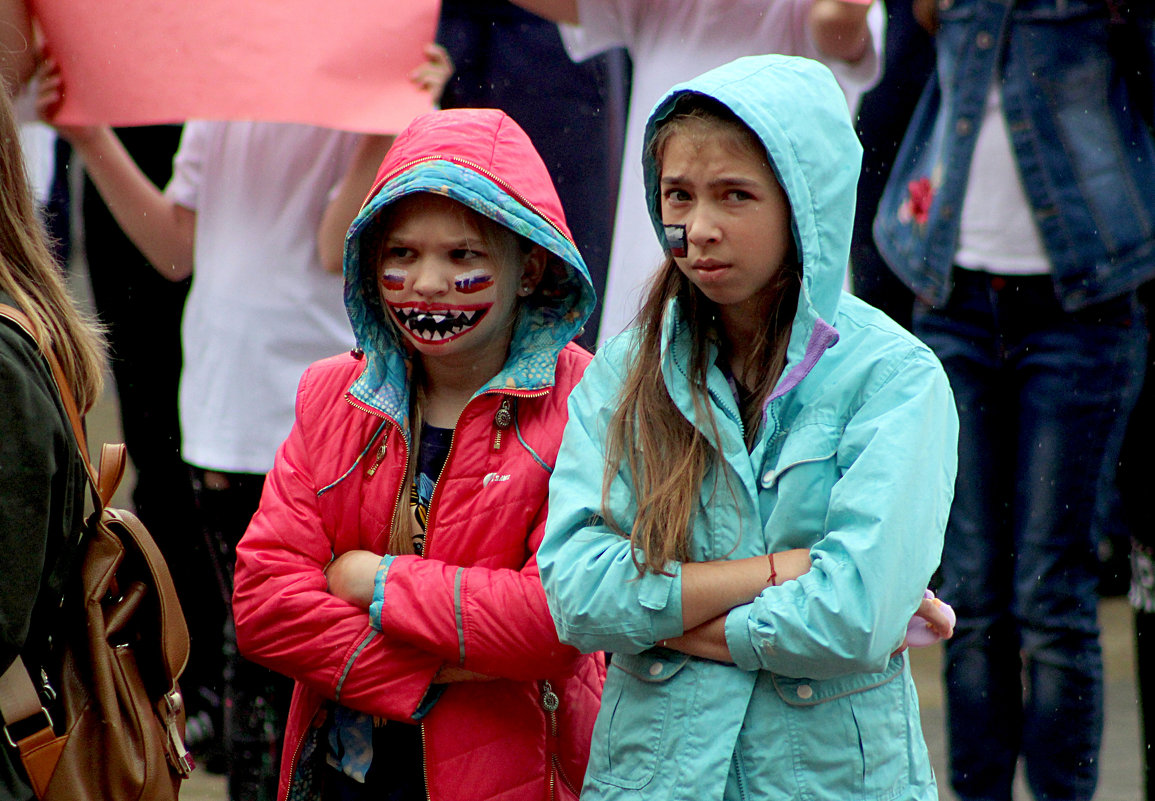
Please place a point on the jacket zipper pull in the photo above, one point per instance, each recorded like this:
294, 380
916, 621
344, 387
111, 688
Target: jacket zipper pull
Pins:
379, 457
549, 700
502, 419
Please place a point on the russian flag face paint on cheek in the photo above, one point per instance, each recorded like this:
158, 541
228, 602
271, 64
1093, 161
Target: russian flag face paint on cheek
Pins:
392, 280
473, 281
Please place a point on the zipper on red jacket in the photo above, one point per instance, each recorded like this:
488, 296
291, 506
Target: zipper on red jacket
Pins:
550, 702
424, 762
502, 419
501, 183
380, 457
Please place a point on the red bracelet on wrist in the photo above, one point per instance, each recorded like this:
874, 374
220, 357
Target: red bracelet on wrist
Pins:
773, 580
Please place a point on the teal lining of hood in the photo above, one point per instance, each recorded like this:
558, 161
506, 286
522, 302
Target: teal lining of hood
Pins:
547, 320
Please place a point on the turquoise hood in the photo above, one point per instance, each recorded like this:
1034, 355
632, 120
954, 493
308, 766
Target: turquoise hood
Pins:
484, 160
816, 164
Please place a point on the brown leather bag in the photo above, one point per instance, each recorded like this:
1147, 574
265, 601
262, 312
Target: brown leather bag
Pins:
120, 644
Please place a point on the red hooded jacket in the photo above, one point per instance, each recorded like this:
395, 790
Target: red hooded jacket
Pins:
474, 598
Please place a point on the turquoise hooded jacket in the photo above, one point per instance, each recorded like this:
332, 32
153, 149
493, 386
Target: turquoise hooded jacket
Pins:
855, 460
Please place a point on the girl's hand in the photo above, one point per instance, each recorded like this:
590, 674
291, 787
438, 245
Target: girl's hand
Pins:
351, 577
450, 674
432, 75
933, 621
791, 564
50, 94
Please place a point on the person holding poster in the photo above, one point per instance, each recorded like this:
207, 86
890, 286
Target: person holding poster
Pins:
391, 567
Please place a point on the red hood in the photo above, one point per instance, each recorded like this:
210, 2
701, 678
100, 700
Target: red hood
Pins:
480, 138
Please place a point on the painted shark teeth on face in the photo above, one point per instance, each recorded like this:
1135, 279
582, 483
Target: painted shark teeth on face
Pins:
438, 325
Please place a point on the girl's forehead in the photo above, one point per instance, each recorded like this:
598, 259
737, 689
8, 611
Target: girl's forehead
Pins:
426, 212
696, 138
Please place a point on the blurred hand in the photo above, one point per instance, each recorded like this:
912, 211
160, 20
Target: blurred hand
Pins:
50, 94
435, 72
926, 13
450, 674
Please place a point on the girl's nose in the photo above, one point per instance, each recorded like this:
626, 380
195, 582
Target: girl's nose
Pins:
702, 228
428, 280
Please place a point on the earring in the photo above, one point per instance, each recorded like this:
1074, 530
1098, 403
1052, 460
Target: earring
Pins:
525, 290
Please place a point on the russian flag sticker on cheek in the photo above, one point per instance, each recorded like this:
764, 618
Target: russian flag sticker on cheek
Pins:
473, 281
675, 240
392, 280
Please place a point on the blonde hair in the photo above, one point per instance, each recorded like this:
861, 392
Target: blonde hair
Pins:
666, 456
30, 275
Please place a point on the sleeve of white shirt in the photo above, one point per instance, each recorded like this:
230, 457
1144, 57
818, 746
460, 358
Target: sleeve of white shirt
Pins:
188, 165
602, 25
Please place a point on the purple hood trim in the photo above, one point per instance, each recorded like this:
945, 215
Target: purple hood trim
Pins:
822, 337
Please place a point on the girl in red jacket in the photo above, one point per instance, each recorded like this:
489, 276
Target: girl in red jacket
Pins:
434, 670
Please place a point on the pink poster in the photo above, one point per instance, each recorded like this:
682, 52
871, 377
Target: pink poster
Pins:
337, 63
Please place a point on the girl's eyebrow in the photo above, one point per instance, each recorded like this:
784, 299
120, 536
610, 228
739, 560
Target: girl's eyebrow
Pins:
724, 180
450, 243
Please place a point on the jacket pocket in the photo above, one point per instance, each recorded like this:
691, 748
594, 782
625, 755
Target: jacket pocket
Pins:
796, 486
852, 737
633, 720
808, 444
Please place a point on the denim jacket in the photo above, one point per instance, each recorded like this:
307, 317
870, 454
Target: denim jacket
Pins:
1087, 163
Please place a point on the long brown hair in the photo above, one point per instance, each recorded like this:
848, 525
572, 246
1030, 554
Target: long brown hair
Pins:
30, 275
666, 455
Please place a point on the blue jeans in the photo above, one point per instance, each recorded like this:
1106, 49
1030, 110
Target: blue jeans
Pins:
1043, 399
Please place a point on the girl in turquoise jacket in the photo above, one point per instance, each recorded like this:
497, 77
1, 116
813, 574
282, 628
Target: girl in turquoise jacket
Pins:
779, 460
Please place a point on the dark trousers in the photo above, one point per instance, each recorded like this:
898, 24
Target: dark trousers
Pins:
255, 699
1043, 398
1139, 517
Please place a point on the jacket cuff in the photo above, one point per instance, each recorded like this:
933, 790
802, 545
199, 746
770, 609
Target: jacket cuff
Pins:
432, 695
738, 640
662, 595
376, 608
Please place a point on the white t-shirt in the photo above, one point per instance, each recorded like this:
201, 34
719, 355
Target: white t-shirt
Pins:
671, 41
37, 141
997, 230
260, 308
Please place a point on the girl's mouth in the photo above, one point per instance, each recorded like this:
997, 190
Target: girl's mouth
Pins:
435, 326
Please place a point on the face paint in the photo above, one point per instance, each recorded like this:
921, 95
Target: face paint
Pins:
473, 281
392, 280
437, 323
675, 240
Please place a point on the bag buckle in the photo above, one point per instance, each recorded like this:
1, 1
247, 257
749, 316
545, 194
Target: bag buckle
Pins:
181, 757
25, 724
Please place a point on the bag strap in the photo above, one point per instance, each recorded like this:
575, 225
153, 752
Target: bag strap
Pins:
40, 748
175, 645
19, 702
